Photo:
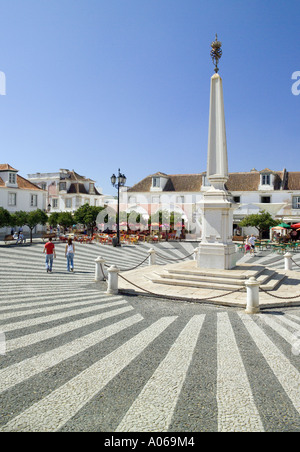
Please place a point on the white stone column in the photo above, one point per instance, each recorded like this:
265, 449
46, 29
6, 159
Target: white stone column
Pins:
112, 283
99, 269
217, 251
152, 256
217, 160
288, 264
252, 286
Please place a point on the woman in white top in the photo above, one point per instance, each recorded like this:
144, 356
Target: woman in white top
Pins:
69, 253
247, 245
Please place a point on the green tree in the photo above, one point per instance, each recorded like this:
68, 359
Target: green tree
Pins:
30, 219
262, 221
34, 218
87, 215
18, 218
65, 219
5, 218
53, 219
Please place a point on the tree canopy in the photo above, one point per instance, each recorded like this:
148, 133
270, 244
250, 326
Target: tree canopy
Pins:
5, 218
30, 219
262, 221
87, 215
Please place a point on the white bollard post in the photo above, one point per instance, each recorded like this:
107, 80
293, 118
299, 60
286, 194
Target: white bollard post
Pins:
152, 256
198, 257
112, 283
288, 264
252, 296
196, 251
99, 269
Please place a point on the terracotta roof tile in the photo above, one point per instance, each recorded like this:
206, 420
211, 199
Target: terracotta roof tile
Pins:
243, 181
176, 182
7, 167
293, 180
25, 184
73, 176
251, 181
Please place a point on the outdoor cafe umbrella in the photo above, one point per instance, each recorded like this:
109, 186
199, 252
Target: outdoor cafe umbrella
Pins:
295, 226
278, 228
155, 226
284, 225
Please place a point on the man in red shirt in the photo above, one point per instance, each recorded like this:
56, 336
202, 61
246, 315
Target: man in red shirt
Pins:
49, 249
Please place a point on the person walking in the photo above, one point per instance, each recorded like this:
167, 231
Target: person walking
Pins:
247, 245
69, 253
49, 250
252, 240
21, 239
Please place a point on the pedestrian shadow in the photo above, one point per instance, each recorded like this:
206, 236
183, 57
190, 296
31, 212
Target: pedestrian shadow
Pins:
275, 313
75, 272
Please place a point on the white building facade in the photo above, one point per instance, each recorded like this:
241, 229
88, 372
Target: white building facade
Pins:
18, 193
277, 192
67, 190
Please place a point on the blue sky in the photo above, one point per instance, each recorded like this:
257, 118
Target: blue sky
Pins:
94, 85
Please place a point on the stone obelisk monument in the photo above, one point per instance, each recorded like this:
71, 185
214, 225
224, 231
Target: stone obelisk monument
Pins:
217, 250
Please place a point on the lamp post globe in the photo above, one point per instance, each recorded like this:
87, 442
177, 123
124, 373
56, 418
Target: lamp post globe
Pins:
118, 182
113, 179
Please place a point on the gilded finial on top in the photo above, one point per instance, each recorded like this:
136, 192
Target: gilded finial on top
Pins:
216, 53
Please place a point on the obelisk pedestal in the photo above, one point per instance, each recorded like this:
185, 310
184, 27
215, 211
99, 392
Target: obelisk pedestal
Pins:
216, 250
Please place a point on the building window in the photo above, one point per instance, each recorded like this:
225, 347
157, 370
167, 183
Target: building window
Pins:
91, 191
55, 203
156, 182
296, 202
265, 179
44, 186
62, 186
12, 199
12, 178
265, 199
205, 181
237, 199
33, 200
68, 203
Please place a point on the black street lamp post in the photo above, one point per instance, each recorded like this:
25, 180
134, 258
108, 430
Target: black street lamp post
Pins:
118, 182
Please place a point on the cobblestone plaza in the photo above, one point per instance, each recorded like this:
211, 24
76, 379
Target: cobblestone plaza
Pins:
76, 359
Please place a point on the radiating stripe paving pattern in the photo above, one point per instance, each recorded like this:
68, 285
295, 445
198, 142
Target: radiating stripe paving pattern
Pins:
286, 373
55, 410
235, 400
71, 349
162, 390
